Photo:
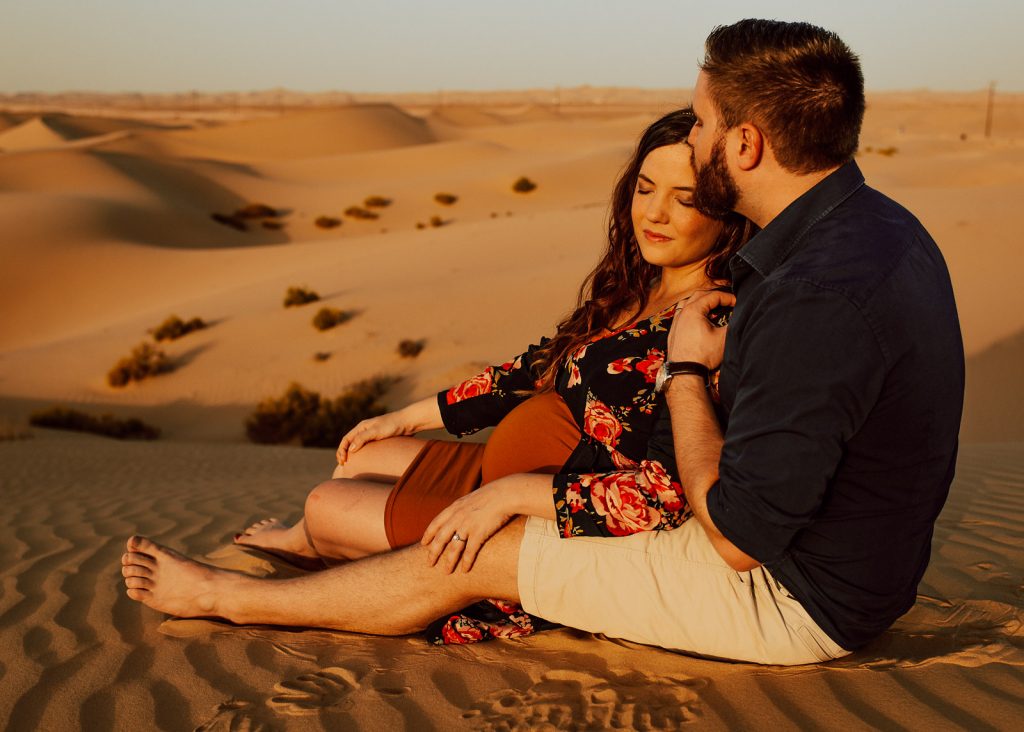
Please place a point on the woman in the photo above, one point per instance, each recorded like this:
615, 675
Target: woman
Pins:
581, 406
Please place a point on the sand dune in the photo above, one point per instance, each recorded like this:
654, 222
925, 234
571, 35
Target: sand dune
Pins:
29, 134
306, 134
106, 231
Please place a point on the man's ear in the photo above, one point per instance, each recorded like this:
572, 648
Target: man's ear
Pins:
751, 146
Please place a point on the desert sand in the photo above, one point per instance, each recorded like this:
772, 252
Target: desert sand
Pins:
105, 208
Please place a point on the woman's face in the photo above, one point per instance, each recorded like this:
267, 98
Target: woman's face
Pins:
669, 230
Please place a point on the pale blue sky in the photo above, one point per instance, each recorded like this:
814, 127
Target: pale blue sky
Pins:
425, 45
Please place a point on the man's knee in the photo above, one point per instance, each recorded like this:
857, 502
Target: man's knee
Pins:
496, 570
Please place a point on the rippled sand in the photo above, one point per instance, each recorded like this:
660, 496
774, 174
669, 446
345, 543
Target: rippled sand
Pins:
77, 653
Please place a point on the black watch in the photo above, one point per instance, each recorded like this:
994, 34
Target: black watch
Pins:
675, 368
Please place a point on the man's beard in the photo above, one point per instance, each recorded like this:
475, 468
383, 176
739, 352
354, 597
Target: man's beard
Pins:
714, 190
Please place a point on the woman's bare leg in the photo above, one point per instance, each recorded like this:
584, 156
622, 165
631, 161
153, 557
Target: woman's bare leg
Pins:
349, 513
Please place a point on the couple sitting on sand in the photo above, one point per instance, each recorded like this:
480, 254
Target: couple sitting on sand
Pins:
762, 490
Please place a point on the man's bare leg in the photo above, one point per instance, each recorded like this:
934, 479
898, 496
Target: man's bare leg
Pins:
344, 517
388, 594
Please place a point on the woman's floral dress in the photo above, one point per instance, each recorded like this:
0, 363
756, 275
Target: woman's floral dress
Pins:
621, 478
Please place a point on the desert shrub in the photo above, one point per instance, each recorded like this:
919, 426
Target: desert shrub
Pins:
271, 224
410, 348
357, 212
327, 222
445, 199
377, 202
327, 318
436, 221
257, 211
523, 185
174, 328
887, 151
144, 361
9, 432
321, 355
303, 416
296, 296
229, 220
61, 418
420, 225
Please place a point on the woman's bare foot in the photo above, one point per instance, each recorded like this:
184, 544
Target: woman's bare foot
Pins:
164, 580
287, 542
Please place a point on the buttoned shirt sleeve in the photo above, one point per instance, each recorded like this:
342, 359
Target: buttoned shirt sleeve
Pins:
483, 400
809, 369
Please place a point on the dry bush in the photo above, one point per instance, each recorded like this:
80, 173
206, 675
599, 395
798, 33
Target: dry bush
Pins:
377, 202
321, 355
257, 211
887, 151
10, 431
229, 220
420, 225
296, 296
410, 349
327, 318
327, 222
357, 212
174, 328
145, 360
445, 199
61, 418
305, 417
523, 185
436, 221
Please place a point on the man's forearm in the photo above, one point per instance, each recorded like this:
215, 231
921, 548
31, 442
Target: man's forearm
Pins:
697, 441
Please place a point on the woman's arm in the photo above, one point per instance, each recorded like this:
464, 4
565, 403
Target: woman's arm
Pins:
483, 400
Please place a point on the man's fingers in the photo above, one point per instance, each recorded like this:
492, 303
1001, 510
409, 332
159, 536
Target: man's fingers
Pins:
708, 301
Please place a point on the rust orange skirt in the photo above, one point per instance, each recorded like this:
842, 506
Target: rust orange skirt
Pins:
536, 437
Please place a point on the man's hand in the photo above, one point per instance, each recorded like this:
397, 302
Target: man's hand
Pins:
695, 338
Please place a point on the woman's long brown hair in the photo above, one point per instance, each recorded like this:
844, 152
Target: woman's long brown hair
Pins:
621, 282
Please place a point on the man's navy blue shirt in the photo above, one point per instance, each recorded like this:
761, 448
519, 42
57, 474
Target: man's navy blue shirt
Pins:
842, 383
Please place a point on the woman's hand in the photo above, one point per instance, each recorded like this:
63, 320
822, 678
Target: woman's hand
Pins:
387, 425
416, 417
456, 534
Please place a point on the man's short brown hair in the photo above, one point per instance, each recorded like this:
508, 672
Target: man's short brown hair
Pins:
798, 83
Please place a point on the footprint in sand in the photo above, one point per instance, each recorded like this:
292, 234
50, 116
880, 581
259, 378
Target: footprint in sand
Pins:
579, 700
312, 693
236, 715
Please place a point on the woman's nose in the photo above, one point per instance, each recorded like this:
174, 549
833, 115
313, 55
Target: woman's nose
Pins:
657, 210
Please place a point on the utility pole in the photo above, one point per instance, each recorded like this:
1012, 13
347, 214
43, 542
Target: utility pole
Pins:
988, 113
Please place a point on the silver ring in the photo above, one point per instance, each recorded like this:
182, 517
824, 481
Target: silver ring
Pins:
456, 537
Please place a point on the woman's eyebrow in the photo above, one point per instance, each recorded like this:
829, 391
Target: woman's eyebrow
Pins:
687, 189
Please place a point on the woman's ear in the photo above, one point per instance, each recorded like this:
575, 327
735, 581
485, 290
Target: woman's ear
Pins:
750, 147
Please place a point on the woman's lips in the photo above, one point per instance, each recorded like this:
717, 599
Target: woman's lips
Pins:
652, 236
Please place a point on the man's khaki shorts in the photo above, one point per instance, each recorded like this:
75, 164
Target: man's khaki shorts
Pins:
669, 589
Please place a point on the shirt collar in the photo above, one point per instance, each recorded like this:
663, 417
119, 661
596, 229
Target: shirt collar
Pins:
770, 247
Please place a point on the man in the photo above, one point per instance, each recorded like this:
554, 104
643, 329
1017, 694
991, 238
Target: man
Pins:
842, 378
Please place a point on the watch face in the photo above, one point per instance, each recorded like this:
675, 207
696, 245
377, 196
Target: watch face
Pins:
661, 378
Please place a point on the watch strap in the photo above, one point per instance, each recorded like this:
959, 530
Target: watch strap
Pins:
676, 368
